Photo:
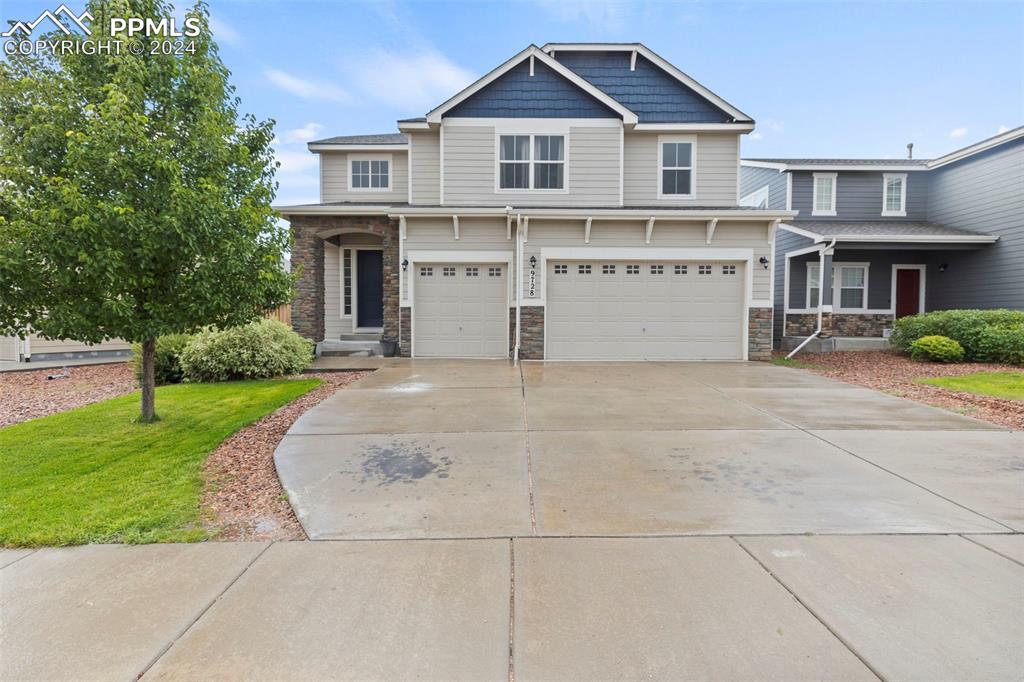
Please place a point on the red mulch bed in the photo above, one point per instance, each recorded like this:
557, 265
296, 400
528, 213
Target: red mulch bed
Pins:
895, 373
30, 395
243, 498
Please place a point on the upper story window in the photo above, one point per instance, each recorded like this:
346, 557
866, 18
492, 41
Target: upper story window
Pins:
531, 162
370, 174
824, 195
676, 156
894, 194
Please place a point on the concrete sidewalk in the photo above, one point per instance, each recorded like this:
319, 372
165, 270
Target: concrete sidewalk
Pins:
752, 607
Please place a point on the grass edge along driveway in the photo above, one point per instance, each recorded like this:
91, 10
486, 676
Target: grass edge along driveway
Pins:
94, 475
1008, 385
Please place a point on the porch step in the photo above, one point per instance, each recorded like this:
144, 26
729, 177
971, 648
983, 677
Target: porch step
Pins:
365, 336
835, 343
351, 348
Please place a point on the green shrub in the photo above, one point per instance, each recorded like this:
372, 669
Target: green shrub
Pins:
166, 359
937, 349
258, 350
966, 327
1002, 343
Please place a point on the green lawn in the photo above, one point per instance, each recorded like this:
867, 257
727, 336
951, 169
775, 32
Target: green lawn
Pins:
798, 364
996, 384
94, 475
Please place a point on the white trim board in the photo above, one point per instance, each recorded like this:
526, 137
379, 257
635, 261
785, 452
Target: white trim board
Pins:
532, 52
658, 61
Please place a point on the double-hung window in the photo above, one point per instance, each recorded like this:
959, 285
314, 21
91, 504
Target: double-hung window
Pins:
813, 284
676, 167
824, 195
894, 194
852, 283
531, 162
369, 174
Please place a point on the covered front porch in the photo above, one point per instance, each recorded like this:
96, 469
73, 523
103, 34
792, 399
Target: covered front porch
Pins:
871, 278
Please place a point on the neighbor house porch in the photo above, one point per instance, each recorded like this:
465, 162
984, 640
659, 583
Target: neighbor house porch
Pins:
864, 277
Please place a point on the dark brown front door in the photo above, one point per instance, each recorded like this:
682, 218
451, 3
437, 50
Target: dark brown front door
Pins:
908, 292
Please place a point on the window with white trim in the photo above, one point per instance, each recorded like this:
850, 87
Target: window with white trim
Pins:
531, 162
676, 167
894, 194
824, 194
813, 284
852, 283
369, 174
346, 282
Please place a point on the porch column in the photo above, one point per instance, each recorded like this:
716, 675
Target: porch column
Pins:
826, 298
308, 262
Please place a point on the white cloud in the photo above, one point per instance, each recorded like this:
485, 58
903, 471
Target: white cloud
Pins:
775, 125
225, 32
958, 132
308, 132
601, 15
756, 136
1002, 129
305, 88
295, 162
410, 81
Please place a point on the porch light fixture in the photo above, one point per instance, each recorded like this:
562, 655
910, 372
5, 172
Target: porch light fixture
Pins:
763, 260
533, 261
942, 268
405, 265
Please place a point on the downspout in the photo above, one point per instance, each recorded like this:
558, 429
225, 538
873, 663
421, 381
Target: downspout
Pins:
519, 286
821, 298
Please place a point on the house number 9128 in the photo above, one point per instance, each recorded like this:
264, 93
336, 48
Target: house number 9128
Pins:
532, 288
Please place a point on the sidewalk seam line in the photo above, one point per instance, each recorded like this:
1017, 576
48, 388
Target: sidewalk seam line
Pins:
994, 551
6, 566
202, 612
511, 609
812, 434
529, 454
849, 646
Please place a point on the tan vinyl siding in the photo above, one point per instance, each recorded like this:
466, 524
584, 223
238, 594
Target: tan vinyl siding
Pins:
475, 234
716, 175
9, 346
426, 167
667, 234
39, 345
469, 169
334, 177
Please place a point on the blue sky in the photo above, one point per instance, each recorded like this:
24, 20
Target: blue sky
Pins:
821, 79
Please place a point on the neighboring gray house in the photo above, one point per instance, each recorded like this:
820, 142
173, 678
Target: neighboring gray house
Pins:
580, 201
891, 237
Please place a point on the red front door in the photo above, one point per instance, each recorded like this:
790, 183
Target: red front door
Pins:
908, 292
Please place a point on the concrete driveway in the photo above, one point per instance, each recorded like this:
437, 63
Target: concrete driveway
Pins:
613, 521
434, 449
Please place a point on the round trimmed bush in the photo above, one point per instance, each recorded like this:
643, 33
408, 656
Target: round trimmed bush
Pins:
258, 350
937, 349
966, 327
1002, 343
166, 359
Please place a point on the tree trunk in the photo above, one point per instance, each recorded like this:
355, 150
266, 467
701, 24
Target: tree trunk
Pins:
148, 381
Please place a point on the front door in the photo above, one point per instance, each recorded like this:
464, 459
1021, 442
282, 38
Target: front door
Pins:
369, 289
908, 292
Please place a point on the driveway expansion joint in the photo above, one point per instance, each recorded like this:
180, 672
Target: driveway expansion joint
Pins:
994, 551
202, 612
849, 646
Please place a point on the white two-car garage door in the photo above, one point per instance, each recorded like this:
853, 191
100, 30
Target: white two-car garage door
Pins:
642, 310
461, 310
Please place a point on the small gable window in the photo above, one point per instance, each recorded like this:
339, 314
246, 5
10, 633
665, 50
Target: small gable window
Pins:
676, 156
368, 174
531, 162
824, 194
894, 194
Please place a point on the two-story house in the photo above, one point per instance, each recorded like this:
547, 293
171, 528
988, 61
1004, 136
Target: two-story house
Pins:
891, 237
578, 202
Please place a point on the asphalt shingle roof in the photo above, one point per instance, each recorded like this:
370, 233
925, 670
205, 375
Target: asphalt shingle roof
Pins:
383, 138
880, 228
846, 162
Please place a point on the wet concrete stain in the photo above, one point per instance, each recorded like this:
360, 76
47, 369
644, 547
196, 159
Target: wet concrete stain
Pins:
398, 462
759, 481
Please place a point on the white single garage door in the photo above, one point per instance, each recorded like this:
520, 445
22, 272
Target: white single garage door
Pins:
643, 310
460, 310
